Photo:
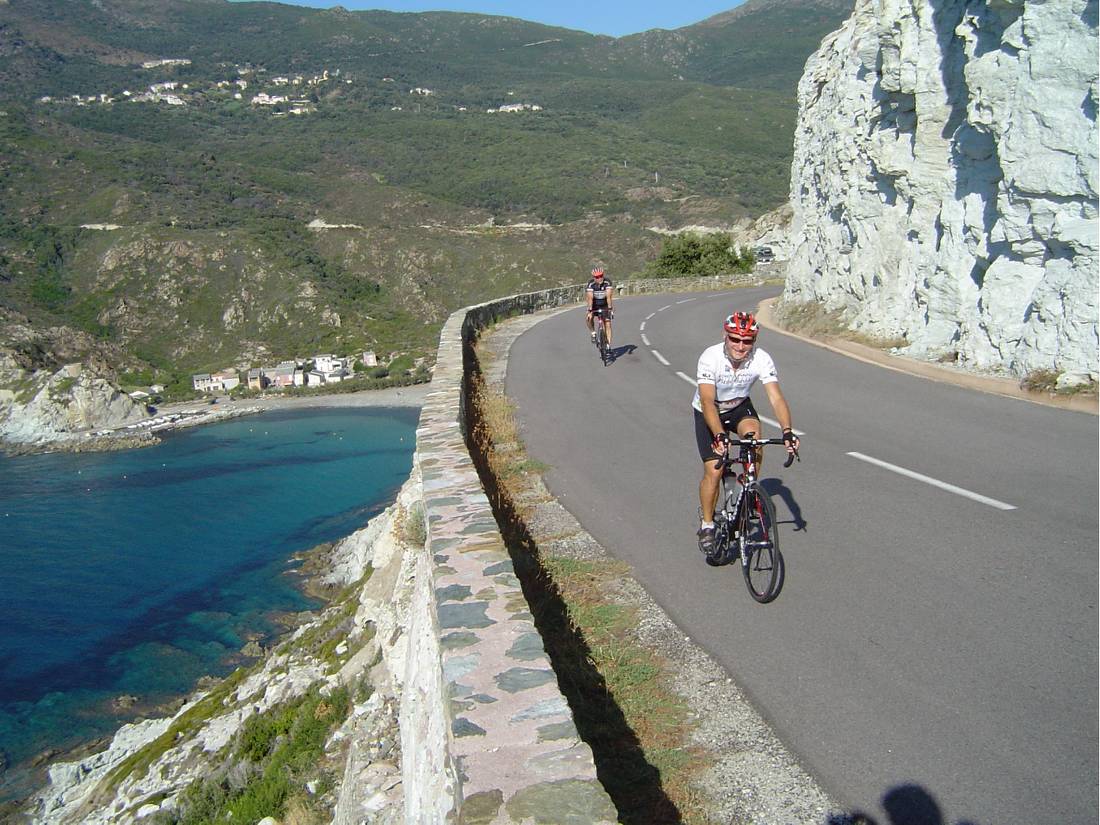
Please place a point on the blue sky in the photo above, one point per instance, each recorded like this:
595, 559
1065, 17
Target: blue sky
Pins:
613, 17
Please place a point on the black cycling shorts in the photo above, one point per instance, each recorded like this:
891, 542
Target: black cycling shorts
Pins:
704, 438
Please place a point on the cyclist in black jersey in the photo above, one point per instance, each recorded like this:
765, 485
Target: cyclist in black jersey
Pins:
599, 292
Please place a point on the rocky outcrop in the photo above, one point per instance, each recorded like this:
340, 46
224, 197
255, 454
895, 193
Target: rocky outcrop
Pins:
944, 181
45, 407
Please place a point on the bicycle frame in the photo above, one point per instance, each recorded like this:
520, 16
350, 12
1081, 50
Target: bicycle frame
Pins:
731, 510
599, 317
733, 503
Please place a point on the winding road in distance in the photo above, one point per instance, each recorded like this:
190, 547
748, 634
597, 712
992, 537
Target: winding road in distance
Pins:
935, 643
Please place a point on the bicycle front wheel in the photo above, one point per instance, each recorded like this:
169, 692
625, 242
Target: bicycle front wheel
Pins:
761, 561
601, 342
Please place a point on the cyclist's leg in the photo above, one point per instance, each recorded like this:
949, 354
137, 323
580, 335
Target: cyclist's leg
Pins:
708, 490
712, 475
588, 322
607, 328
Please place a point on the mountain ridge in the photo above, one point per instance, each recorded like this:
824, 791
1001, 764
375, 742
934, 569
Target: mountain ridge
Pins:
425, 136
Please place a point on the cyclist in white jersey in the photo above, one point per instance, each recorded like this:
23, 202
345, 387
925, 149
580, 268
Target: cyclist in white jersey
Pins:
724, 376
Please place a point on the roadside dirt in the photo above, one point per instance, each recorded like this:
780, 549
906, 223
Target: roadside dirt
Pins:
1007, 387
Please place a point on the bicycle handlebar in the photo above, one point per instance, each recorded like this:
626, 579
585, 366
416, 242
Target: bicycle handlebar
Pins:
758, 442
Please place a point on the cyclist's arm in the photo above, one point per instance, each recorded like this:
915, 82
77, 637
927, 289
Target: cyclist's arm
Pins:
707, 396
610, 296
588, 294
779, 406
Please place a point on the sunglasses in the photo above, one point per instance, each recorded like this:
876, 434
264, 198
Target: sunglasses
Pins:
734, 340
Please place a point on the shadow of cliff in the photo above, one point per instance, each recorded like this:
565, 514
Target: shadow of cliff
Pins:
633, 784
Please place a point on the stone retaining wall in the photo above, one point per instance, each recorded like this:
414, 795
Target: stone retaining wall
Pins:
487, 735
640, 286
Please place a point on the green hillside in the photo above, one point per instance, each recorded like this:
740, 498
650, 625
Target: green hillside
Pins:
202, 175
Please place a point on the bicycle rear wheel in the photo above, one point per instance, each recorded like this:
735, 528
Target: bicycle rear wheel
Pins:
761, 561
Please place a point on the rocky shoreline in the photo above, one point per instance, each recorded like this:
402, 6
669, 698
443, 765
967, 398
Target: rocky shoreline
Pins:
146, 767
324, 571
181, 415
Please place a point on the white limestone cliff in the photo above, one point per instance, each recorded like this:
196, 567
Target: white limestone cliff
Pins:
944, 182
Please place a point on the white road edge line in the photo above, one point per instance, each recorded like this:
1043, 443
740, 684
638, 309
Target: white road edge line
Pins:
659, 357
645, 340
943, 485
685, 301
650, 315
687, 378
775, 424
642, 327
666, 306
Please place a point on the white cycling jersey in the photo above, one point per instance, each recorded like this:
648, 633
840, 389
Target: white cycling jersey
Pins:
731, 386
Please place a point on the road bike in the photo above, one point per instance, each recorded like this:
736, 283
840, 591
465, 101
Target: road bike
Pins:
745, 528
601, 333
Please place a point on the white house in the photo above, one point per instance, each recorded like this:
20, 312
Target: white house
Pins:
205, 382
229, 379
216, 382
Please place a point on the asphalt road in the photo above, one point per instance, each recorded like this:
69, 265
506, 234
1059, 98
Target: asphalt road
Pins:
933, 653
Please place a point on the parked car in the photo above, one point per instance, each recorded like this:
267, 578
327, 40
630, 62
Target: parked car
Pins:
764, 254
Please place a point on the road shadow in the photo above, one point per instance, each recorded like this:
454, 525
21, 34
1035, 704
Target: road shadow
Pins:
904, 805
777, 489
623, 768
616, 352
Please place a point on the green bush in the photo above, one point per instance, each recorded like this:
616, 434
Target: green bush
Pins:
690, 253
285, 747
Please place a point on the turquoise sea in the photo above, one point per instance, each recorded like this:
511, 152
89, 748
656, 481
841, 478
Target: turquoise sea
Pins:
135, 573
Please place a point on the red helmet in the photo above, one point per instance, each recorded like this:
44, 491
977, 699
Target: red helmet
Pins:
597, 273
743, 324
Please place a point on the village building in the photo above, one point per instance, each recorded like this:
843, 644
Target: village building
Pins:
215, 382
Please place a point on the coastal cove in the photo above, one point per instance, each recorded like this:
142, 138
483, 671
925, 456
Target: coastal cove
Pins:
128, 576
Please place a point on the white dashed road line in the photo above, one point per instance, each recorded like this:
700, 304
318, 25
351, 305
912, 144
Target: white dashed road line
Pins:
943, 485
